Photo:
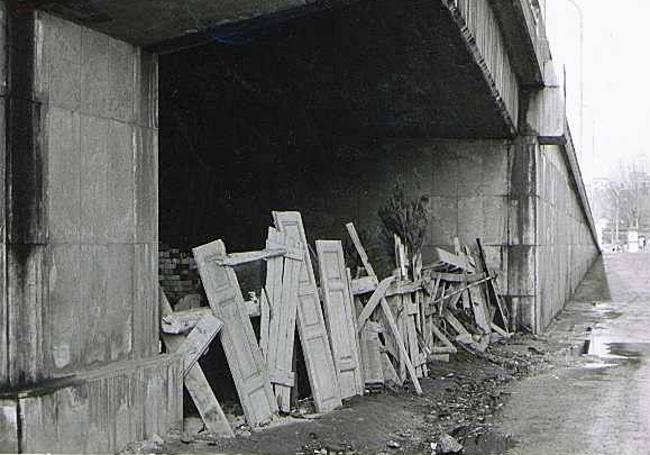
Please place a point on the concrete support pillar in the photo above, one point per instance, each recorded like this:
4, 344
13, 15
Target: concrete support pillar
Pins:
552, 237
522, 266
79, 363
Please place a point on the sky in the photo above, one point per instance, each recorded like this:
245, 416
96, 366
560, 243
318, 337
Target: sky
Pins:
616, 79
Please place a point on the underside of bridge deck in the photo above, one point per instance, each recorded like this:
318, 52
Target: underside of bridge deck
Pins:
192, 121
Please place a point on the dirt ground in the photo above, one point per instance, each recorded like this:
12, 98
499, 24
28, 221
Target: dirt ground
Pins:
460, 398
582, 389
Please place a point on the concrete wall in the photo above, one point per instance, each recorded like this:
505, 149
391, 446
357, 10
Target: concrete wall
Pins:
4, 329
566, 247
82, 370
97, 239
518, 197
97, 412
468, 183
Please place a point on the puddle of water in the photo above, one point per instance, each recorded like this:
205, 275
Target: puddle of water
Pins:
614, 353
611, 315
597, 365
483, 441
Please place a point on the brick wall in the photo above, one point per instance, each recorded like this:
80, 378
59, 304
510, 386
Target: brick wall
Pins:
178, 275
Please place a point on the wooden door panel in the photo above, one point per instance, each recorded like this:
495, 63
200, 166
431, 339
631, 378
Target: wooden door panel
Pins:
311, 324
338, 313
244, 357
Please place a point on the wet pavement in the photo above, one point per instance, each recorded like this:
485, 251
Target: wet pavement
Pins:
599, 403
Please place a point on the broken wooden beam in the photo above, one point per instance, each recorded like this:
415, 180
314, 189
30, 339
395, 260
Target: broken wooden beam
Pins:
198, 340
196, 383
374, 301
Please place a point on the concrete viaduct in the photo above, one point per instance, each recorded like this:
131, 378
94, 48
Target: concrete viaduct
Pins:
323, 104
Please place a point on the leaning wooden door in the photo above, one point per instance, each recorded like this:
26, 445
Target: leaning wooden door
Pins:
311, 325
339, 316
244, 357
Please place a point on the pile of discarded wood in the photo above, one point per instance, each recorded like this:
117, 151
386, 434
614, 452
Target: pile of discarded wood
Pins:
356, 333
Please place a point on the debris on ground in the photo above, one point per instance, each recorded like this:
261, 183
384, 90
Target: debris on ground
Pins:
448, 445
441, 330
393, 444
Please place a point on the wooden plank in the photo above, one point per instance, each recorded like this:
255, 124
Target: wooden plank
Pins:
282, 325
397, 305
428, 309
235, 259
369, 284
404, 287
400, 257
373, 371
499, 330
410, 313
198, 340
206, 403
196, 384
361, 251
455, 323
456, 277
461, 290
388, 314
454, 260
181, 322
390, 374
493, 291
338, 315
353, 311
374, 301
253, 308
274, 271
400, 344
237, 336
265, 317
481, 315
438, 358
311, 324
441, 337
274, 267
363, 285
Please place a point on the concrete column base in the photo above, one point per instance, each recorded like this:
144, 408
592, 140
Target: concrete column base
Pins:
99, 411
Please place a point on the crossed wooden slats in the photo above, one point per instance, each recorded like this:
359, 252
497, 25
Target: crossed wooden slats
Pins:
191, 347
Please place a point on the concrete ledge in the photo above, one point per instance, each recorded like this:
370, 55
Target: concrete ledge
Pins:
98, 411
546, 113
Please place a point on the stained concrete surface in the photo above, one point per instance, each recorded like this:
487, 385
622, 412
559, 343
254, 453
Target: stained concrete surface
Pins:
601, 404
